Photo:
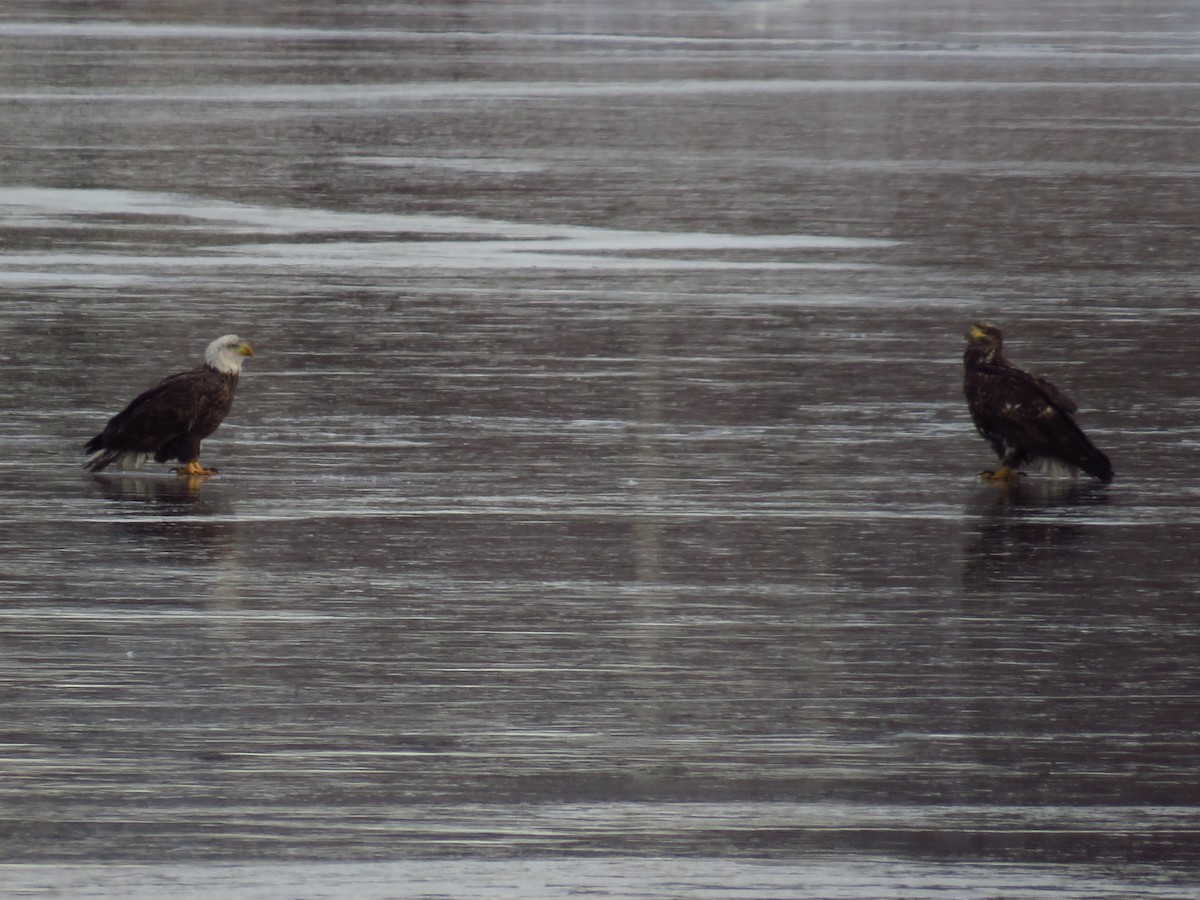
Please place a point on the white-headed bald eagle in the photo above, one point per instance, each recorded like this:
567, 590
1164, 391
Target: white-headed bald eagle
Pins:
171, 419
1024, 418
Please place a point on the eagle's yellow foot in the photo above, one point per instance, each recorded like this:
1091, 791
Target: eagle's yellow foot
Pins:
1004, 474
193, 470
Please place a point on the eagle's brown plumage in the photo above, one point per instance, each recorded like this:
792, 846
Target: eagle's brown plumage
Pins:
171, 419
1023, 417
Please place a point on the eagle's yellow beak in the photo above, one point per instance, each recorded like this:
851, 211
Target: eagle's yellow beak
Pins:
975, 333
244, 349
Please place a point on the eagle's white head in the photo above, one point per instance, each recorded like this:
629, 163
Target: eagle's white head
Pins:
226, 354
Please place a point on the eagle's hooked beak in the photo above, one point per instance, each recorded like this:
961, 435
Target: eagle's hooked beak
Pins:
974, 334
244, 349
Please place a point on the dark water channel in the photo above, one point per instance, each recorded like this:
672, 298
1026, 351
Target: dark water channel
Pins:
599, 512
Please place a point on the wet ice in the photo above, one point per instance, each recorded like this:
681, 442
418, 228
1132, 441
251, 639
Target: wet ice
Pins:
603, 486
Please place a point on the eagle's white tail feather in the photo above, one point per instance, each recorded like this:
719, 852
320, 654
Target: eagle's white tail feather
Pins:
133, 460
102, 459
1055, 468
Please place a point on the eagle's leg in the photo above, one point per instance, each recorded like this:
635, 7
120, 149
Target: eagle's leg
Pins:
193, 469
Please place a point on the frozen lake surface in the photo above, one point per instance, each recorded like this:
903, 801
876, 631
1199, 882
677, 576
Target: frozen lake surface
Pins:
599, 512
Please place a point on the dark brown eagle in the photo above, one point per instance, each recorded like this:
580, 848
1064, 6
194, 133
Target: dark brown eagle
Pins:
1026, 419
171, 419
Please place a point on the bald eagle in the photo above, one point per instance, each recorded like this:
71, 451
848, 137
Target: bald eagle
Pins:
1025, 418
172, 418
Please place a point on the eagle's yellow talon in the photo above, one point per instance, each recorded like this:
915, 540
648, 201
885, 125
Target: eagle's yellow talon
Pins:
193, 470
1005, 474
